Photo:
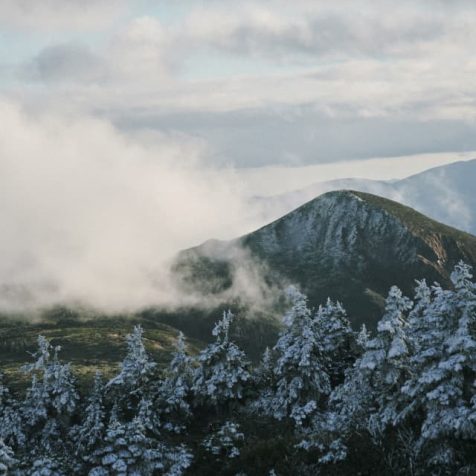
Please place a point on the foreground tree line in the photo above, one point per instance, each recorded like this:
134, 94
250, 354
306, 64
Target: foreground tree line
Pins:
323, 400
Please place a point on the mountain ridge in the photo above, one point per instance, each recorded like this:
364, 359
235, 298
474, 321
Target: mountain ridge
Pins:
347, 244
444, 193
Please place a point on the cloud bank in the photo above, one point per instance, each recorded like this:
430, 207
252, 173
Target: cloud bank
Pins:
89, 216
262, 82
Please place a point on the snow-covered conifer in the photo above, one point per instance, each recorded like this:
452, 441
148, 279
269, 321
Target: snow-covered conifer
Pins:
127, 450
301, 379
49, 404
225, 441
175, 390
11, 423
263, 374
223, 370
136, 369
337, 337
442, 383
362, 338
53, 384
90, 431
7, 460
387, 356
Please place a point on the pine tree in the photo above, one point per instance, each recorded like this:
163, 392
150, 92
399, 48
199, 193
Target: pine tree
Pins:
48, 466
223, 371
444, 368
49, 403
11, 423
337, 337
387, 358
89, 433
225, 441
301, 379
136, 373
7, 461
127, 450
350, 407
175, 390
263, 375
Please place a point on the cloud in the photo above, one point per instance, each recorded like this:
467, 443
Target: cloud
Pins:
69, 62
267, 81
60, 15
277, 31
90, 216
299, 135
139, 55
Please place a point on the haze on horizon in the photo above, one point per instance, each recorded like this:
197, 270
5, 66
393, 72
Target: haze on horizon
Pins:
133, 129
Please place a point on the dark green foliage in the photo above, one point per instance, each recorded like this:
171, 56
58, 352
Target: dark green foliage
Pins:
401, 402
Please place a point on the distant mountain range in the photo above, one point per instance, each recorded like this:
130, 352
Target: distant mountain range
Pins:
446, 194
348, 245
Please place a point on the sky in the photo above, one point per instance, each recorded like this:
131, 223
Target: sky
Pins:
258, 82
133, 129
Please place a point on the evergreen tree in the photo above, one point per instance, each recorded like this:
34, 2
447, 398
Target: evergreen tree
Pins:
48, 466
349, 410
387, 358
225, 441
89, 433
137, 370
11, 423
223, 371
338, 340
301, 380
49, 403
444, 367
263, 375
7, 461
175, 390
127, 450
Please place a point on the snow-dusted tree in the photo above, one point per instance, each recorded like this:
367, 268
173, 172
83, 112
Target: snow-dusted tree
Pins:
127, 450
387, 358
175, 390
90, 431
301, 379
48, 466
337, 338
362, 338
225, 441
137, 369
263, 374
49, 403
443, 374
223, 370
53, 384
7, 460
11, 423
349, 408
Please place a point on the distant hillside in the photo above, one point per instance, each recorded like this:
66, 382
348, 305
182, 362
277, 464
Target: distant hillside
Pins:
348, 245
445, 193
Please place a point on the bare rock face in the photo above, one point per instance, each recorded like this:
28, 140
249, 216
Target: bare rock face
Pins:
348, 245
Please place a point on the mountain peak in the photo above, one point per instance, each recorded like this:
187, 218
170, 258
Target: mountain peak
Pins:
351, 246
445, 193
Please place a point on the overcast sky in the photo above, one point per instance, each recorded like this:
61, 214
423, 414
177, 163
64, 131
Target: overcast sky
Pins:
260, 82
133, 129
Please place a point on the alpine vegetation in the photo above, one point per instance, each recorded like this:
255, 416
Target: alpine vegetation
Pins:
325, 399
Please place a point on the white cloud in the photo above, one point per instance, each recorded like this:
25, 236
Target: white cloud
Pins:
90, 216
333, 80
68, 62
61, 15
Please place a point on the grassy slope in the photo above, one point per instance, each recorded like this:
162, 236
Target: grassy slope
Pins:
96, 344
